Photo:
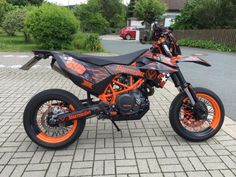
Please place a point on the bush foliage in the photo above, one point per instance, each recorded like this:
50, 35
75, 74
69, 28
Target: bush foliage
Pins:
52, 26
14, 21
88, 41
97, 16
149, 10
4, 9
207, 14
204, 44
25, 2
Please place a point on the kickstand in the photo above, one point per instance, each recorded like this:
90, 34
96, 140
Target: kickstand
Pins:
118, 129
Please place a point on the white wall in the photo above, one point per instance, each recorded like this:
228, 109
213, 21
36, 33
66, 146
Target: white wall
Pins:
170, 18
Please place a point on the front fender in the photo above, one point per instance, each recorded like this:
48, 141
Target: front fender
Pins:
193, 59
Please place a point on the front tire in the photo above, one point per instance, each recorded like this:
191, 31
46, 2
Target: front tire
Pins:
37, 114
184, 121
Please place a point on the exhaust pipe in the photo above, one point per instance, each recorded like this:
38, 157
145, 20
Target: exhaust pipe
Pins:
57, 68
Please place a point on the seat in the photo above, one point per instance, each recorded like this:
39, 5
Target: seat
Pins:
102, 61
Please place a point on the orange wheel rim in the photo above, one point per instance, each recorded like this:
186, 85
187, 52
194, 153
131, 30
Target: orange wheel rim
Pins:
217, 112
216, 107
53, 140
58, 139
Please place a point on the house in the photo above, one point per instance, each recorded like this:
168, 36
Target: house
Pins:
173, 10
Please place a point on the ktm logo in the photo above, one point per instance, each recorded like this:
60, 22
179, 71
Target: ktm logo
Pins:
129, 70
76, 67
87, 84
83, 114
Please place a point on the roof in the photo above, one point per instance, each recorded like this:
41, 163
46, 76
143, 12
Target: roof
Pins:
174, 5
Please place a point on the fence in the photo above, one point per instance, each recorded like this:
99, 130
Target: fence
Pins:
223, 36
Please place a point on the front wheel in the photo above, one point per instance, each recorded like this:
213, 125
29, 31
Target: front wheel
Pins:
185, 122
42, 109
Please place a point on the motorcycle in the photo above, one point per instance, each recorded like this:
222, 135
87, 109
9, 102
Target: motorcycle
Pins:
123, 84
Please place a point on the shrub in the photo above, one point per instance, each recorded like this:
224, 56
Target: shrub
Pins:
207, 14
14, 21
25, 2
52, 26
4, 8
204, 44
93, 42
149, 10
95, 23
79, 41
88, 41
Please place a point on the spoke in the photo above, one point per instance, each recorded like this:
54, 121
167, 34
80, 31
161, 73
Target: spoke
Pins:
210, 109
46, 110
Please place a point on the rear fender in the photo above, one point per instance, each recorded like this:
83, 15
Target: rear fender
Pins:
31, 63
193, 59
38, 55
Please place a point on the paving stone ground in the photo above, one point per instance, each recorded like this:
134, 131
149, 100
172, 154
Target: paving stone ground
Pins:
145, 148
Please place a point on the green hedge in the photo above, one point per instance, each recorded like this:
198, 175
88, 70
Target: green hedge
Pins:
205, 44
88, 41
52, 26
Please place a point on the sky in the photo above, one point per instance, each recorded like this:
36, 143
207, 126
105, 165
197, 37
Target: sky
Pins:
73, 2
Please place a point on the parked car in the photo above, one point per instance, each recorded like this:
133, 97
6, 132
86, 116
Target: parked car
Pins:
128, 33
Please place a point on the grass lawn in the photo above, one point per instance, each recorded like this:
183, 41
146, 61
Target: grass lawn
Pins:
15, 43
18, 44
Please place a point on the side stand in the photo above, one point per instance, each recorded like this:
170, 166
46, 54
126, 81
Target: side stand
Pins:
118, 129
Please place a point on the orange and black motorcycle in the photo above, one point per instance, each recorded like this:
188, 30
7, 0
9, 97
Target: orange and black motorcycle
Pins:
56, 118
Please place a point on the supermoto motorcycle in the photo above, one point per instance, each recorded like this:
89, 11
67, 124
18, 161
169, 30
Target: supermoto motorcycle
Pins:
123, 84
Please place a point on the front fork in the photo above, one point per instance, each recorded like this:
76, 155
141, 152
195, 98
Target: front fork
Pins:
183, 86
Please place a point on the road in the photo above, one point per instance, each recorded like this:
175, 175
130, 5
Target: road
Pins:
221, 77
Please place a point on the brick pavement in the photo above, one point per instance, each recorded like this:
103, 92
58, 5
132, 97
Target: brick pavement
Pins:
145, 148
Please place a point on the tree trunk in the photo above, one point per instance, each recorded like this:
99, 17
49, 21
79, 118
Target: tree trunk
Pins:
27, 37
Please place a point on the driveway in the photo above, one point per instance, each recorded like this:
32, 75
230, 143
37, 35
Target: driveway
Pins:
221, 77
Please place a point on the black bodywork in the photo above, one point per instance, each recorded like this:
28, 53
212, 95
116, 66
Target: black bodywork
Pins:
99, 75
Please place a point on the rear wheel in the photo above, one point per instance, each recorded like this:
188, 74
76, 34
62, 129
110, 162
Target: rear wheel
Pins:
128, 37
40, 112
185, 122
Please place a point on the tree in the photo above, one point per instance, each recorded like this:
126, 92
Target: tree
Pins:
149, 10
91, 18
52, 26
131, 5
14, 21
95, 23
207, 10
187, 19
111, 12
207, 14
35, 2
25, 2
4, 8
227, 14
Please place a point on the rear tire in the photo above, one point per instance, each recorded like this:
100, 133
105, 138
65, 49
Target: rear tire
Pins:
214, 126
128, 37
32, 127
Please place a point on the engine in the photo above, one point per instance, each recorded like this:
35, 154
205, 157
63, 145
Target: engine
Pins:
132, 103
127, 98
